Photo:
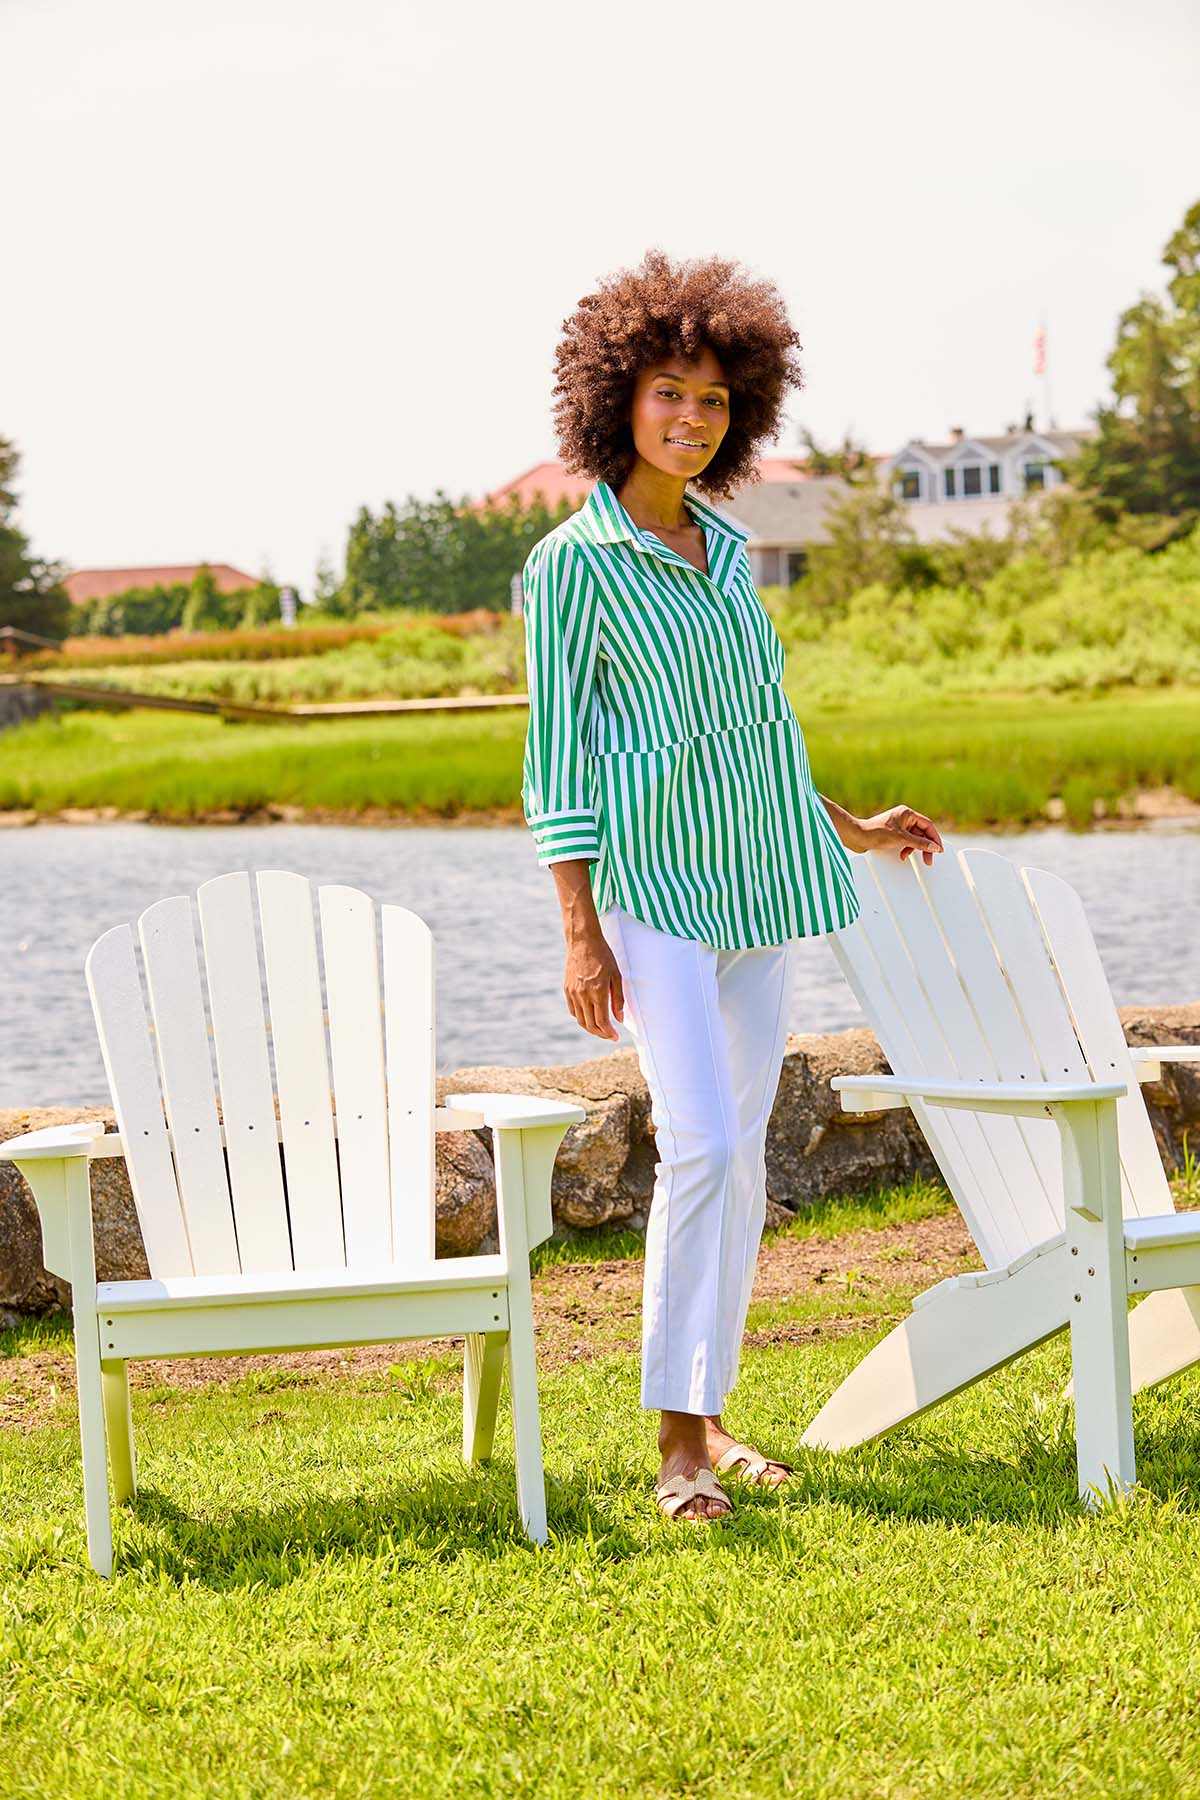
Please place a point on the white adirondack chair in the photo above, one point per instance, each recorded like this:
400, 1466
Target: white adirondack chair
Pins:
311, 1230
984, 986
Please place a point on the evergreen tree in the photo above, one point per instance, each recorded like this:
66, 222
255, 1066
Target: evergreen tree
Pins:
1145, 458
32, 597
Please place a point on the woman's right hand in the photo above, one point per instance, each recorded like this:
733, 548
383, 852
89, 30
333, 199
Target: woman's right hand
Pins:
590, 979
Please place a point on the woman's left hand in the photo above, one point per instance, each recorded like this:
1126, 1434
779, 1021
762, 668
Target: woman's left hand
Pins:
902, 829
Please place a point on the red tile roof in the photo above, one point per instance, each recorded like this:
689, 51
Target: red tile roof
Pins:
99, 584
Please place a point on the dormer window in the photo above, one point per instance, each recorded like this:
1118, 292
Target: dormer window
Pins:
950, 484
972, 480
993, 478
908, 486
1035, 475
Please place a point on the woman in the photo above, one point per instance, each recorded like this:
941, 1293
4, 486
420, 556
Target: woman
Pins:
666, 782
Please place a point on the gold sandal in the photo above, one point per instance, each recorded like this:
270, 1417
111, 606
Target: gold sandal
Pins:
750, 1465
673, 1495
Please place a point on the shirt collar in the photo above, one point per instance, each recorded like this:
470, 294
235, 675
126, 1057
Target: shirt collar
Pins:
603, 520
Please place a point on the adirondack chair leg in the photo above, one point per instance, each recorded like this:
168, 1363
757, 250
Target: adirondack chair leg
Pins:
88, 1379
483, 1365
118, 1421
956, 1337
1099, 1301
93, 1443
511, 1189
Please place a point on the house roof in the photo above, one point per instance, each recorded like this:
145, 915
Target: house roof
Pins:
101, 584
1067, 442
786, 512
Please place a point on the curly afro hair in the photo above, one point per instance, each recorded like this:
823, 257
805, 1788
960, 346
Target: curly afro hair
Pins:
635, 318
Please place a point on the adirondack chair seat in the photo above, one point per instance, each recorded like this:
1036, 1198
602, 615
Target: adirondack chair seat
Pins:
286, 1284
284, 1180
984, 986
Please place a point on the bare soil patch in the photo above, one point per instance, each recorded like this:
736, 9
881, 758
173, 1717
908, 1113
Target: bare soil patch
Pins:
582, 1310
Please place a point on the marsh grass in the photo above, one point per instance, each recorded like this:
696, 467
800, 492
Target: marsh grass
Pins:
964, 763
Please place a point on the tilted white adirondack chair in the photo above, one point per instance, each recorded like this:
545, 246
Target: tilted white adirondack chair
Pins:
986, 991
313, 1230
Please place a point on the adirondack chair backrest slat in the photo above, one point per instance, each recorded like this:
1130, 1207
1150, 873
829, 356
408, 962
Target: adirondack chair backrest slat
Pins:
301, 1069
945, 967
974, 969
954, 907
408, 985
337, 1178
226, 908
351, 956
123, 1028
172, 969
967, 1154
1145, 1188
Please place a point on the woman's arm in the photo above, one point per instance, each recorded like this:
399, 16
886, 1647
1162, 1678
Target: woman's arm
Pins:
899, 828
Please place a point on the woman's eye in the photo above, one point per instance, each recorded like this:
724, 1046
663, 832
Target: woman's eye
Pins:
716, 400
667, 394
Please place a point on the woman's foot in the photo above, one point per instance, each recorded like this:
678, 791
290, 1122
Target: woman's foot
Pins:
683, 1447
763, 1471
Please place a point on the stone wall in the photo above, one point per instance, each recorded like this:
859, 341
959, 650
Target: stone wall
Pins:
605, 1168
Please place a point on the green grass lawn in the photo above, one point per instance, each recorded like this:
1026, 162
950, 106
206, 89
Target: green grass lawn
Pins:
966, 762
314, 1597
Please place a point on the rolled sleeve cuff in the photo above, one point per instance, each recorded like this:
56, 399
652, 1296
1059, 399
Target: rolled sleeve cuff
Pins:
560, 836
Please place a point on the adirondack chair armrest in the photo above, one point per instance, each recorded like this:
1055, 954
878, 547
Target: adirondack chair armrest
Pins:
530, 1131
515, 1112
53, 1142
878, 1093
1148, 1058
54, 1162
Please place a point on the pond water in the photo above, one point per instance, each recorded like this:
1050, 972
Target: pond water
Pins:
495, 920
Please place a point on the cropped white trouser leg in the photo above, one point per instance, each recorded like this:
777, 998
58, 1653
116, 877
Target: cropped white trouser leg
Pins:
709, 1026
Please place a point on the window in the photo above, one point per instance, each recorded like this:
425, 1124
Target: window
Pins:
1035, 475
910, 484
972, 480
949, 484
769, 572
797, 563
993, 478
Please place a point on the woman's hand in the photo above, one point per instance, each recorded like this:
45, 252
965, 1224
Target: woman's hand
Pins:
590, 978
901, 829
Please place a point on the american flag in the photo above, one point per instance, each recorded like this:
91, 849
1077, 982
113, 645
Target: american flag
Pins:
1039, 351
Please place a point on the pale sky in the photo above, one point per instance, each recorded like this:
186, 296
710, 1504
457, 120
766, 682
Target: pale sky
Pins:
265, 263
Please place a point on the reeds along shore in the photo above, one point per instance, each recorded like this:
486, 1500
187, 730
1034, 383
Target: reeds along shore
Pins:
1002, 762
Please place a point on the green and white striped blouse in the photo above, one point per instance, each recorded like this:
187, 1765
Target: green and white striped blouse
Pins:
661, 745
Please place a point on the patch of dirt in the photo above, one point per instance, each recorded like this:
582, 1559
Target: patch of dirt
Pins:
581, 1311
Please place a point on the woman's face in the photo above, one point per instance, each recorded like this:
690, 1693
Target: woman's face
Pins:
680, 413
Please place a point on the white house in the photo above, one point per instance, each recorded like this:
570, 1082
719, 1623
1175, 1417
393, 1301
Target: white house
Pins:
971, 482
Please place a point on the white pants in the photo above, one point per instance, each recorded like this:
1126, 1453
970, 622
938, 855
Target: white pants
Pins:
710, 1027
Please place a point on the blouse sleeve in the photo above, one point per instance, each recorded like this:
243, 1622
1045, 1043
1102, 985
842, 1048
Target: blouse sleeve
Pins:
562, 630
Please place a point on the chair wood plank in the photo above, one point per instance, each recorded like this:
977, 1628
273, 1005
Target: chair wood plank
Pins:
1145, 1189
226, 909
168, 941
120, 1012
1028, 1148
958, 1139
408, 986
301, 1068
360, 1087
1016, 1197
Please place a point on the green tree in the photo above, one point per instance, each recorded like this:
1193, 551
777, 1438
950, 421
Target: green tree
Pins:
870, 540
1145, 457
446, 555
204, 610
32, 597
